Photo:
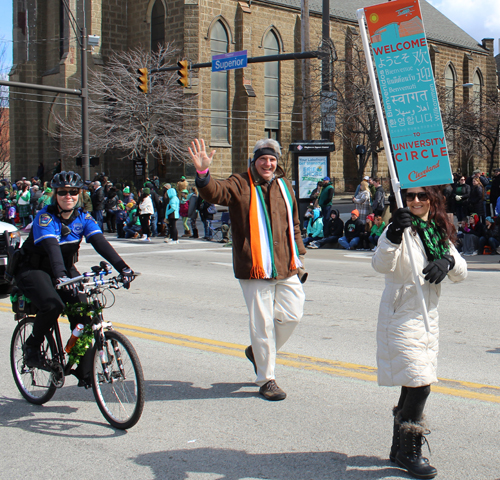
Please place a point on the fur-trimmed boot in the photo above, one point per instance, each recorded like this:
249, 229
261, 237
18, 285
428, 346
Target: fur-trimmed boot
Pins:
395, 436
409, 455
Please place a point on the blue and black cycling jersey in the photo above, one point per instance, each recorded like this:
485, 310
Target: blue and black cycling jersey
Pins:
54, 242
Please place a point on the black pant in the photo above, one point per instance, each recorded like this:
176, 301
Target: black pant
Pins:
144, 219
111, 220
412, 402
172, 227
37, 285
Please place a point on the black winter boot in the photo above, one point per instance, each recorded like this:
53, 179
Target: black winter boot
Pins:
195, 233
409, 455
395, 436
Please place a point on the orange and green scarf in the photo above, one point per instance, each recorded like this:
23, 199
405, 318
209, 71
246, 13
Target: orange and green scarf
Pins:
261, 235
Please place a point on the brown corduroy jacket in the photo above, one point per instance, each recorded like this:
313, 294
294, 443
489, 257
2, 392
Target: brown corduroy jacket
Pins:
235, 194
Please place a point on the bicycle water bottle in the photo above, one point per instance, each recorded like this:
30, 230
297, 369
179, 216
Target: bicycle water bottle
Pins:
77, 332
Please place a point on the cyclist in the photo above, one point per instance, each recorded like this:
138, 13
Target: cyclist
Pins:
48, 258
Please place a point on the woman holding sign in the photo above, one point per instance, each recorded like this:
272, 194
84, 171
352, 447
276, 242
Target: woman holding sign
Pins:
406, 351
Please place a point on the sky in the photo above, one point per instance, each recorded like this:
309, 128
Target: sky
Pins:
479, 18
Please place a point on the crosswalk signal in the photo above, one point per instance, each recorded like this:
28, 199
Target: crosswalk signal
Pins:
183, 73
143, 80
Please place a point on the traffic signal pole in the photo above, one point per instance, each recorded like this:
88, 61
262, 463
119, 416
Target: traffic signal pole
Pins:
266, 58
85, 109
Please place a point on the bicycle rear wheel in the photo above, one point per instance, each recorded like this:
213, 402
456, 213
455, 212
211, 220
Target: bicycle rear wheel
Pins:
35, 384
118, 381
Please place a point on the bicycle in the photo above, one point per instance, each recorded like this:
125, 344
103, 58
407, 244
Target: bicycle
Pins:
117, 379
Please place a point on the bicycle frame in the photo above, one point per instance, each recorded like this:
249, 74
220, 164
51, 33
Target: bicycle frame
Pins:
93, 284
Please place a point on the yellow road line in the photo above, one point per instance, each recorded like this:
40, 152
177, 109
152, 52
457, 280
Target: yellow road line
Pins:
456, 388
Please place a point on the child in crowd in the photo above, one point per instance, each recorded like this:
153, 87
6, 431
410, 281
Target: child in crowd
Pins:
121, 218
183, 212
12, 214
376, 231
314, 227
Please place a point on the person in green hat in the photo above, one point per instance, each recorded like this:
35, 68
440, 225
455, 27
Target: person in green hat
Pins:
182, 185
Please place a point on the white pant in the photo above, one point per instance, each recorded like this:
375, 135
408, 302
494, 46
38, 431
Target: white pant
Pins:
275, 308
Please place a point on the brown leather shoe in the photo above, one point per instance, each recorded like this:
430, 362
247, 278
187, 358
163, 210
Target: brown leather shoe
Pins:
249, 355
271, 391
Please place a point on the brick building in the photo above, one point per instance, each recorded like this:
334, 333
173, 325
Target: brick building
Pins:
235, 108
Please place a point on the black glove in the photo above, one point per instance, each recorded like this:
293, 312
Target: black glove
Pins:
436, 271
401, 219
70, 288
127, 276
302, 271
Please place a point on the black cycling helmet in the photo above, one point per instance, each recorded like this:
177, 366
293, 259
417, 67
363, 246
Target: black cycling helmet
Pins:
65, 179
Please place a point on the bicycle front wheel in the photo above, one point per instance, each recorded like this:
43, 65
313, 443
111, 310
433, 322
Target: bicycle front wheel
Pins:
35, 384
118, 381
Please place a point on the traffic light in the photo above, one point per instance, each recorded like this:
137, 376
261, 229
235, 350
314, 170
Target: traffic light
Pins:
143, 80
183, 73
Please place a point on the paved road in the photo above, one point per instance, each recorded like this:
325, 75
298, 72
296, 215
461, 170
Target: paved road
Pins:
203, 417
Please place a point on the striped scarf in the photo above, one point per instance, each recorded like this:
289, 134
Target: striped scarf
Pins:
261, 235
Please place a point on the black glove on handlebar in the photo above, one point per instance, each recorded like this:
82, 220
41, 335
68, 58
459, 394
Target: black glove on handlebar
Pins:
401, 219
70, 288
436, 271
127, 276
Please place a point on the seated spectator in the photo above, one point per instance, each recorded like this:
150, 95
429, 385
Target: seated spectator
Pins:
133, 225
376, 231
332, 231
471, 238
307, 215
463, 228
491, 236
314, 227
364, 243
352, 230
121, 219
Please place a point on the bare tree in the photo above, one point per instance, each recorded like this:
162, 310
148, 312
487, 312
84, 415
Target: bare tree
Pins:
488, 128
123, 119
473, 126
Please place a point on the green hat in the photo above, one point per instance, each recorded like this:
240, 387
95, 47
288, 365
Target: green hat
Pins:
146, 191
126, 190
48, 190
183, 178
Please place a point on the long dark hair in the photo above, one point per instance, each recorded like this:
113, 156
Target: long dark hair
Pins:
437, 212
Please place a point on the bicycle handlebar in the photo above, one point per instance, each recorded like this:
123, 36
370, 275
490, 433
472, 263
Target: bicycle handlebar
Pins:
96, 279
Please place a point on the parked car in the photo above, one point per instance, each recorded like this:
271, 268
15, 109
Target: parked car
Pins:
10, 236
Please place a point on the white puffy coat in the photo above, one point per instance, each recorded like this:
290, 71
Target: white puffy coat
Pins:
406, 353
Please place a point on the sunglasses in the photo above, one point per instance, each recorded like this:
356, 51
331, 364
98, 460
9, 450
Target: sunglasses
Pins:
73, 192
420, 195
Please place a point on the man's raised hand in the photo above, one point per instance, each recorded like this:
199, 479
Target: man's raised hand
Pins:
198, 152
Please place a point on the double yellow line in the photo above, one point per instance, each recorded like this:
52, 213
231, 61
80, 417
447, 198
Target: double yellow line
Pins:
456, 388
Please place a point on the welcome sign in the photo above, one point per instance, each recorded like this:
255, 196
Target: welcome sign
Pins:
402, 62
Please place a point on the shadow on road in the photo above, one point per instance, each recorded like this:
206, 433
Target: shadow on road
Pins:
237, 464
18, 413
165, 390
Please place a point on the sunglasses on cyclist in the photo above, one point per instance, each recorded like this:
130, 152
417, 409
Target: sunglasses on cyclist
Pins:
422, 196
73, 192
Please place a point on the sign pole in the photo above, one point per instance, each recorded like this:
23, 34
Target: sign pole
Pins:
396, 186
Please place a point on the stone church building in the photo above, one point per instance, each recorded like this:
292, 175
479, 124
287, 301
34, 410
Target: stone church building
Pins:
234, 108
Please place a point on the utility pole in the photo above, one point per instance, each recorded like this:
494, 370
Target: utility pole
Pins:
325, 61
306, 80
85, 106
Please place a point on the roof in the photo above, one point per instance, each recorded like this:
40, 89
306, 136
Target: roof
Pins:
438, 27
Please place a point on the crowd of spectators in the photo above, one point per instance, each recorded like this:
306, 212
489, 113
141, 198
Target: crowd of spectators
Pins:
472, 203
140, 213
